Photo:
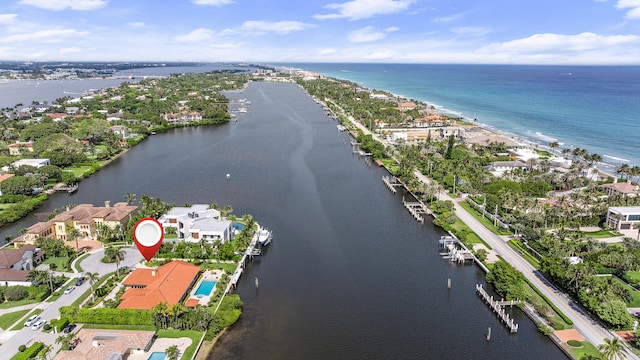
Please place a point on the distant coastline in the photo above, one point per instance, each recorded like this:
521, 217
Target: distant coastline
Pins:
518, 102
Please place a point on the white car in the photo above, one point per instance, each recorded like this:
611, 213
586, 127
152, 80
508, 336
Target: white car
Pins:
38, 325
69, 289
30, 321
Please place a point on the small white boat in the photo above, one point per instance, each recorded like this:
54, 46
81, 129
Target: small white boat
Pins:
264, 236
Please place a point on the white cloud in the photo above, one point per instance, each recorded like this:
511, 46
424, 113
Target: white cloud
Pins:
362, 9
327, 51
44, 36
447, 19
80, 5
7, 18
137, 24
380, 55
71, 50
261, 27
470, 31
212, 2
556, 43
634, 13
197, 35
369, 34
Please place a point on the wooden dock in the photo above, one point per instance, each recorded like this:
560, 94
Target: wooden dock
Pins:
391, 183
416, 209
498, 308
68, 189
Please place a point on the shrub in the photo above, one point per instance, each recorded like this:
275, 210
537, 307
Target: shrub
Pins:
46, 327
16, 293
22, 348
574, 343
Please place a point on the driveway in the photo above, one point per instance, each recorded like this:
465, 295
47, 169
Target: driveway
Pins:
93, 263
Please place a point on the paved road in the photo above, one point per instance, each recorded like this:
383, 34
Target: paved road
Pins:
589, 328
11, 340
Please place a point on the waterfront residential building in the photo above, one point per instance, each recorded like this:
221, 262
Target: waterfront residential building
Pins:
15, 264
624, 189
20, 147
197, 223
623, 217
108, 344
169, 283
498, 168
84, 218
37, 163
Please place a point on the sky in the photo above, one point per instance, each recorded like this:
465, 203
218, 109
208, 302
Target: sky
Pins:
583, 32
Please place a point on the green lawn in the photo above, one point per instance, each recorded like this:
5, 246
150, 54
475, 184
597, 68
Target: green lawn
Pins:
635, 294
472, 238
60, 262
632, 277
587, 351
77, 171
524, 253
601, 234
484, 220
9, 319
11, 304
195, 337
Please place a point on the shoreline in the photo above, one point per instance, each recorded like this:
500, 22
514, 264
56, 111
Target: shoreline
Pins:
606, 167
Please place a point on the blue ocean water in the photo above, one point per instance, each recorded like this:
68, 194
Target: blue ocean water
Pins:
591, 107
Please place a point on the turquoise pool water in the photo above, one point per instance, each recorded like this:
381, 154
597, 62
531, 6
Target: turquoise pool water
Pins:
205, 287
157, 356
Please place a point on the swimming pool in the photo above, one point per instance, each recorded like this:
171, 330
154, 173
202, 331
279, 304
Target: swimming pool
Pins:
157, 356
205, 287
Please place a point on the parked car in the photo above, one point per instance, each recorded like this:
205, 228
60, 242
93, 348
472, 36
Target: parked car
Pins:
69, 328
80, 281
69, 289
38, 325
30, 321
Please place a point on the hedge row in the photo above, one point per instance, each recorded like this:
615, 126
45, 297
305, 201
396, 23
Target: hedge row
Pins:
29, 353
107, 316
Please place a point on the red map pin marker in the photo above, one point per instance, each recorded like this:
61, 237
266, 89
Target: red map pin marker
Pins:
148, 234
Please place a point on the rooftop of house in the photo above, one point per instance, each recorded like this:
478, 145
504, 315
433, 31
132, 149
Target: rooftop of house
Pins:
13, 275
625, 210
206, 224
624, 188
10, 256
101, 344
168, 283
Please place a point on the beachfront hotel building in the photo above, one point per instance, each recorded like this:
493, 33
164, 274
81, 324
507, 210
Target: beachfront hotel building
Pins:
623, 217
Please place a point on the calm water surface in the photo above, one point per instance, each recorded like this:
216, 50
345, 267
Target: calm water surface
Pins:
349, 274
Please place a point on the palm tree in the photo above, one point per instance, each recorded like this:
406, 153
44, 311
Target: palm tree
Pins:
74, 234
172, 352
130, 197
113, 253
44, 353
93, 278
612, 349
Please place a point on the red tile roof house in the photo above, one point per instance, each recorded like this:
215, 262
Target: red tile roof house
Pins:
624, 189
170, 283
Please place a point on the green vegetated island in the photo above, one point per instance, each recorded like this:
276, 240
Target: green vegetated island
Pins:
579, 227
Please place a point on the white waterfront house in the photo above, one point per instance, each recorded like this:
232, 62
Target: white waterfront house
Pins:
623, 217
197, 223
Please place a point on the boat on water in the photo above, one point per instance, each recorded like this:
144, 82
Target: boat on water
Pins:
341, 127
264, 236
